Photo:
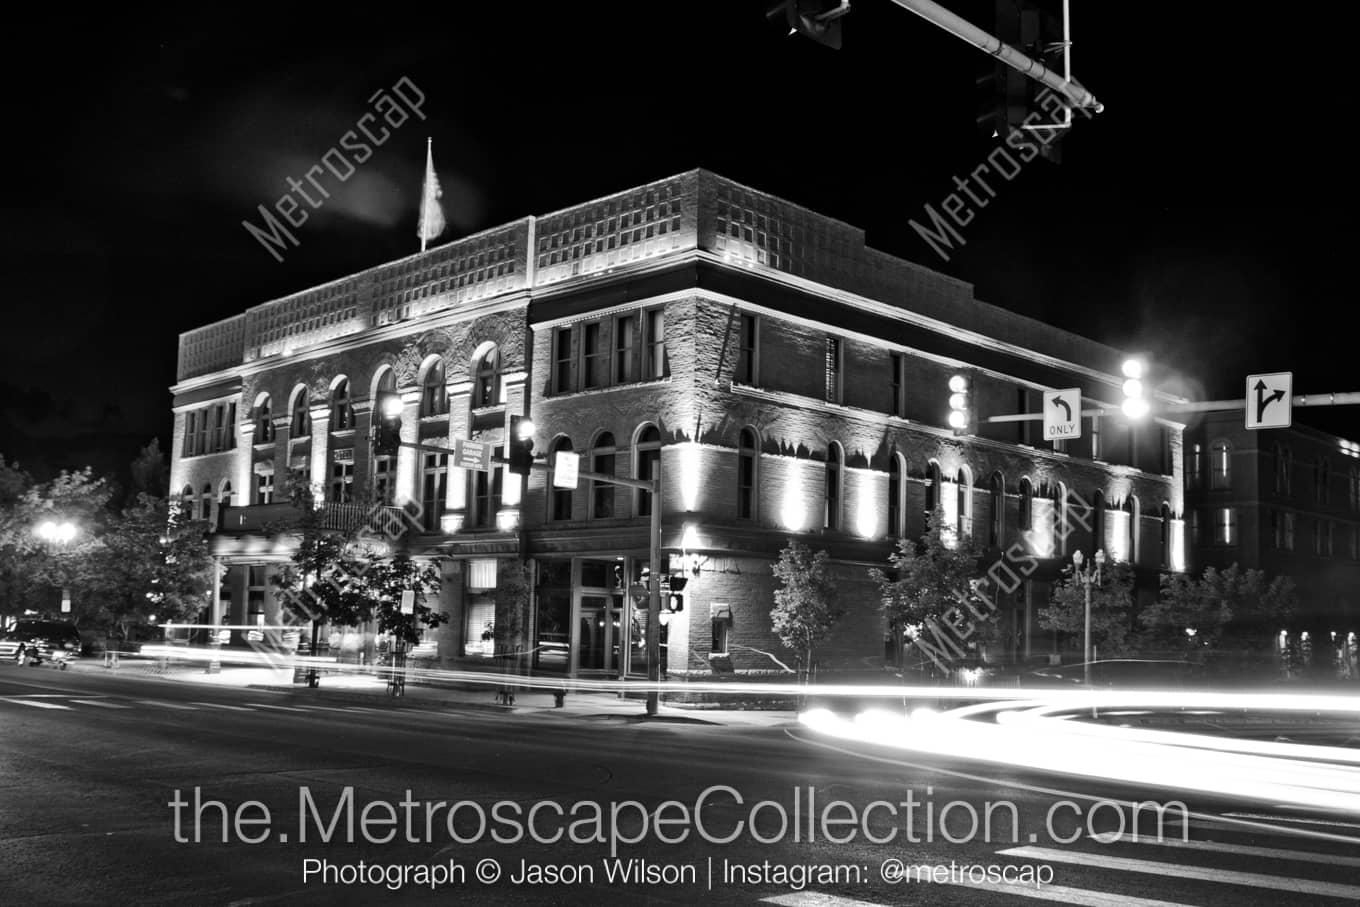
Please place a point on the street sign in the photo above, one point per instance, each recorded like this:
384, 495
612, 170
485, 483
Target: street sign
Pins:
408, 601
566, 469
1062, 414
471, 454
1269, 400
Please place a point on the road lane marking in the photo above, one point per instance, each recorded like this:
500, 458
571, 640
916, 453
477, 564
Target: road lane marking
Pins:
102, 704
38, 705
1246, 850
223, 705
1174, 870
326, 708
1298, 820
281, 708
815, 899
168, 705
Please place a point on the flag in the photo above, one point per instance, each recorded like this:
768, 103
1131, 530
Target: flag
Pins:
431, 214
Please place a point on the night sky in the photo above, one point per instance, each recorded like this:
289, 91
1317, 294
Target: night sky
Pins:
1206, 217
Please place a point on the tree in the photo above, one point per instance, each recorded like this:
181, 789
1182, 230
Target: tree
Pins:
1111, 609
150, 472
804, 607
38, 569
1230, 609
932, 583
152, 566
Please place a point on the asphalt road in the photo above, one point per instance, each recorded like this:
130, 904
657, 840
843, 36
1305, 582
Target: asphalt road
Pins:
312, 787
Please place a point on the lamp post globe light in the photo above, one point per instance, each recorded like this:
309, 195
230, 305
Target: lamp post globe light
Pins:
1135, 404
59, 533
1088, 576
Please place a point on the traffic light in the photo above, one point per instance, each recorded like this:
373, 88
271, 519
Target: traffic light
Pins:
1135, 405
675, 601
1008, 96
387, 427
960, 411
819, 20
521, 445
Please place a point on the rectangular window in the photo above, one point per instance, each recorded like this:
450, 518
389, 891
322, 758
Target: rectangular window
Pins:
342, 483
1355, 542
1225, 526
595, 357
384, 479
625, 356
264, 487
1289, 532
434, 478
1096, 450
898, 400
1329, 540
833, 369
1194, 466
655, 343
486, 495
189, 429
201, 442
746, 350
562, 361
722, 627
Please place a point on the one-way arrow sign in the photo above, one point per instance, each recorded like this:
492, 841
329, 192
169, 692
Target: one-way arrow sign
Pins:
1062, 414
1269, 399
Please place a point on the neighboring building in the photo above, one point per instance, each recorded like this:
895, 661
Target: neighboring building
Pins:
786, 380
1286, 501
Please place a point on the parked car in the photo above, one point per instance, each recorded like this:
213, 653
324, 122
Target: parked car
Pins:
1121, 674
33, 642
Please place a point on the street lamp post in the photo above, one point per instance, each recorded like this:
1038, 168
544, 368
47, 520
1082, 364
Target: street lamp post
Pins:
1087, 577
59, 534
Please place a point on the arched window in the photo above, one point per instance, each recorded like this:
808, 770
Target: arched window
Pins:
964, 492
224, 493
1166, 536
934, 483
896, 527
384, 474
747, 458
832, 495
1061, 527
1194, 466
1097, 521
997, 524
205, 503
186, 498
486, 387
1133, 516
602, 493
1026, 515
264, 421
1220, 465
559, 499
646, 465
301, 425
342, 409
1284, 470
434, 399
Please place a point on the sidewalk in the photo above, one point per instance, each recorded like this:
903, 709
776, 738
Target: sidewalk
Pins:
372, 689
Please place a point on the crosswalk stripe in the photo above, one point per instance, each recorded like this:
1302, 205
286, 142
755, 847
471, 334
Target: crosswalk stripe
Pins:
168, 705
223, 705
1269, 853
815, 899
281, 708
101, 703
1173, 870
1081, 897
38, 705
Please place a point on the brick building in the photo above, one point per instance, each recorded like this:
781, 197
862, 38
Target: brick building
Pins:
1286, 501
785, 379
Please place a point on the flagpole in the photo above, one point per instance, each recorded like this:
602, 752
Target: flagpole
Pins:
429, 159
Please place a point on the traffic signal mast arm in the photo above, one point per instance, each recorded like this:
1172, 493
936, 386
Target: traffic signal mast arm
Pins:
1350, 398
967, 31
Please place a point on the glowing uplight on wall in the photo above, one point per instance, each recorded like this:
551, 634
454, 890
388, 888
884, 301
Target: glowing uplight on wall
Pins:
1178, 545
1041, 533
1118, 534
689, 475
866, 516
793, 509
